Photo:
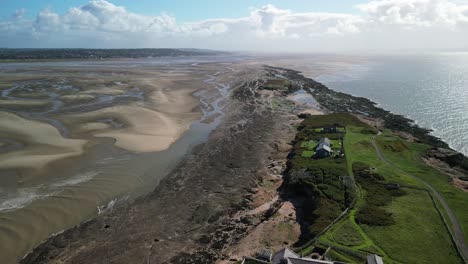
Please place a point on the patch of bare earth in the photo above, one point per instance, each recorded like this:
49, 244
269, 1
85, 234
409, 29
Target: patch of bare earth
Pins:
461, 184
278, 231
277, 227
454, 174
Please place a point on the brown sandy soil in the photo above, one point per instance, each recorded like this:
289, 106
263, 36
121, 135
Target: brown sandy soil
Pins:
461, 184
452, 172
279, 231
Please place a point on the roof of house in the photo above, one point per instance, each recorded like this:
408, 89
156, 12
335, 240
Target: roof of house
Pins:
325, 140
283, 254
374, 259
323, 146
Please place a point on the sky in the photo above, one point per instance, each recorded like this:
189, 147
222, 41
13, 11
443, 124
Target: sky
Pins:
242, 25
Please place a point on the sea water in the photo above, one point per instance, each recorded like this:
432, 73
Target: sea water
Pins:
431, 89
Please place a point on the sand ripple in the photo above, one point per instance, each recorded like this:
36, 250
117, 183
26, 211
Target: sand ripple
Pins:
143, 130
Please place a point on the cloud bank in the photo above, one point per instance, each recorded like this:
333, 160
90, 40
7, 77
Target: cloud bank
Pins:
378, 25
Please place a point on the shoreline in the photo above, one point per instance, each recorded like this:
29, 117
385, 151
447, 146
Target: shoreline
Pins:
117, 172
209, 250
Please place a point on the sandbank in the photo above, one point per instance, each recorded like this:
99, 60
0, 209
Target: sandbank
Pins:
143, 130
43, 143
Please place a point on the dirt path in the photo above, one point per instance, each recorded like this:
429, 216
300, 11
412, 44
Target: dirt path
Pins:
457, 234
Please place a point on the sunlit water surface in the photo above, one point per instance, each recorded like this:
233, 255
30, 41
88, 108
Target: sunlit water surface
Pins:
430, 89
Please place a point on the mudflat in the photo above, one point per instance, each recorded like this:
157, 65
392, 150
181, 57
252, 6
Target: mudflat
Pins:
75, 139
192, 216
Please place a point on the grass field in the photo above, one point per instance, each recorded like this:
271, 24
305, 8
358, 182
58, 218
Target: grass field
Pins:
410, 161
347, 234
418, 234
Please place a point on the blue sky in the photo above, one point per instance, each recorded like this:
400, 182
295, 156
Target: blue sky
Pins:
255, 25
185, 10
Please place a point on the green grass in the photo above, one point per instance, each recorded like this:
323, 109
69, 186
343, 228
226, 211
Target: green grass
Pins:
418, 236
348, 235
341, 257
308, 153
310, 145
395, 239
411, 162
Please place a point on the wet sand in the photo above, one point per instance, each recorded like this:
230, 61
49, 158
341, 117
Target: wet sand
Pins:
42, 143
106, 134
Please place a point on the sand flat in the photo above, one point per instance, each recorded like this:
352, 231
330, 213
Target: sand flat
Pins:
143, 130
104, 90
77, 98
19, 104
43, 143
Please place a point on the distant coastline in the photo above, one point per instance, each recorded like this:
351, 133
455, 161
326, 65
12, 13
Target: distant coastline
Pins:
32, 55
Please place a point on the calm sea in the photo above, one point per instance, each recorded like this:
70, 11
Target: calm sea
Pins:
430, 89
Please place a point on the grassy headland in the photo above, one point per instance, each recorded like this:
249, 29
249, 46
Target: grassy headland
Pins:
407, 224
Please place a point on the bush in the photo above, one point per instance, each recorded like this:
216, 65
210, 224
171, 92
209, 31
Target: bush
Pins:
325, 214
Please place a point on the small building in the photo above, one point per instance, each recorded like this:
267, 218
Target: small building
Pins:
374, 259
323, 151
323, 148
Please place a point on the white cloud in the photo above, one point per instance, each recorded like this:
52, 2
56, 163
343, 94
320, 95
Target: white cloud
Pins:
424, 13
382, 24
47, 21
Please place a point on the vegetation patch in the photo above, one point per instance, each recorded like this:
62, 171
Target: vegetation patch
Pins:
307, 154
392, 144
418, 235
322, 185
376, 197
347, 235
